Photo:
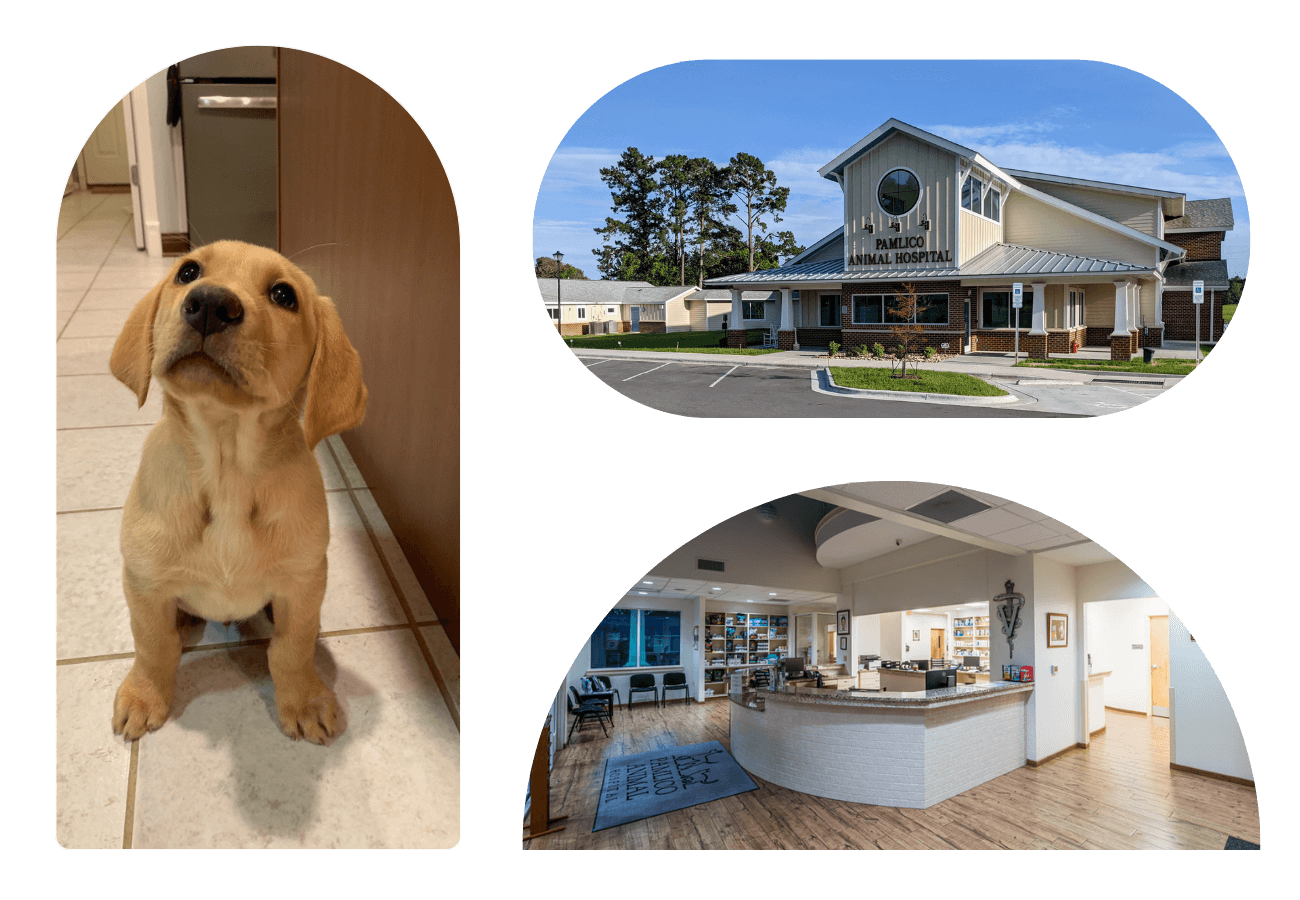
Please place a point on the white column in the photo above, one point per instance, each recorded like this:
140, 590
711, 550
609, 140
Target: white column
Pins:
787, 314
1135, 308
1038, 324
734, 323
1160, 308
1121, 309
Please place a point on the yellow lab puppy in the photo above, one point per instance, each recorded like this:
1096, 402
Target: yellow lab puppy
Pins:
227, 512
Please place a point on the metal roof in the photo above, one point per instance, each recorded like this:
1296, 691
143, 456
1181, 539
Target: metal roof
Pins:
1214, 272
1203, 215
1011, 259
1000, 259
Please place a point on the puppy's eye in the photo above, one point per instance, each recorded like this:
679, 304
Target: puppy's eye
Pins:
283, 295
189, 272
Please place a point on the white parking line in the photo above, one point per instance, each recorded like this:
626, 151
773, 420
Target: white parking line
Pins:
1122, 391
647, 372
726, 373
598, 362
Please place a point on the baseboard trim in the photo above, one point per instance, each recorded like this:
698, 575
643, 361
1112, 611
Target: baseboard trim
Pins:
109, 188
175, 243
1128, 712
1035, 763
1208, 774
1100, 730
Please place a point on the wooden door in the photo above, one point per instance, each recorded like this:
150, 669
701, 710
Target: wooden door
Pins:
936, 644
105, 152
1160, 666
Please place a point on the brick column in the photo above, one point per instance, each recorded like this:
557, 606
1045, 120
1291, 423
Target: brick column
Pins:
1121, 346
1034, 345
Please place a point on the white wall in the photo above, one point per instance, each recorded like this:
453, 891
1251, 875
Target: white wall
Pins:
866, 636
1113, 628
160, 140
920, 649
1204, 733
1057, 695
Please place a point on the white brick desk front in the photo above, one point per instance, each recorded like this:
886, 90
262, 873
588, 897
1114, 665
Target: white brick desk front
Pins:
885, 748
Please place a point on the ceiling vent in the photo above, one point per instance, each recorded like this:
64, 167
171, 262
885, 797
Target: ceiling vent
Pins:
948, 507
711, 565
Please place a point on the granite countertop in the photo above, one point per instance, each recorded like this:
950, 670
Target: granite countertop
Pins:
945, 696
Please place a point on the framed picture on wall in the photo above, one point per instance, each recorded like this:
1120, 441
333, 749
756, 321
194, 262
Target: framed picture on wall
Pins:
842, 621
844, 643
916, 635
1058, 629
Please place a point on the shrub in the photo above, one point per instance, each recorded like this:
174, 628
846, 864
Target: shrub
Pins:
929, 353
834, 347
878, 351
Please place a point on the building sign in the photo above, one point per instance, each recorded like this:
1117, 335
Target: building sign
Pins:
909, 256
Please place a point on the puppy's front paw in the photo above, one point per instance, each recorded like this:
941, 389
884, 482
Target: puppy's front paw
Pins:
139, 706
314, 716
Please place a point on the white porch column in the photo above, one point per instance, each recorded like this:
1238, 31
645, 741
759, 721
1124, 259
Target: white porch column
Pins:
788, 317
1121, 309
1038, 324
735, 323
1135, 306
1160, 310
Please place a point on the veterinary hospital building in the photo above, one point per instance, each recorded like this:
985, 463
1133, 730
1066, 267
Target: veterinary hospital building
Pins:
1102, 265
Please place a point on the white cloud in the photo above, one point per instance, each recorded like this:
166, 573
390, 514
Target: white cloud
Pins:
578, 167
974, 134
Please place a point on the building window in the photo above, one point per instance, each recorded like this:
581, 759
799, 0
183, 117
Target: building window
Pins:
582, 312
872, 309
868, 309
553, 313
991, 203
898, 192
981, 199
635, 638
753, 310
610, 310
932, 309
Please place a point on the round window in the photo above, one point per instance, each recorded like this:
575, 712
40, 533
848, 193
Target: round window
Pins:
898, 192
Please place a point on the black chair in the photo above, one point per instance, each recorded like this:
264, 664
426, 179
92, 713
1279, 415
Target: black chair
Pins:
641, 684
581, 712
607, 685
675, 681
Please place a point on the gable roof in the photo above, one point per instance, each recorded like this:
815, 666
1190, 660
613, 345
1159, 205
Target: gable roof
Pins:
576, 290
836, 235
835, 168
1214, 272
1098, 185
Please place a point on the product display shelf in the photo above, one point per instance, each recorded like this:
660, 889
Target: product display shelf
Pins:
734, 639
970, 637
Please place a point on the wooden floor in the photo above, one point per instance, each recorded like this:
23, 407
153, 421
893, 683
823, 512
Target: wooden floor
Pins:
1118, 794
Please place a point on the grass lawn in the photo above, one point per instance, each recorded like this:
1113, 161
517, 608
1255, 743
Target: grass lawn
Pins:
874, 379
1229, 310
677, 341
1159, 367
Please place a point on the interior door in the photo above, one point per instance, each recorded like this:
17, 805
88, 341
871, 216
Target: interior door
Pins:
936, 644
1160, 666
105, 152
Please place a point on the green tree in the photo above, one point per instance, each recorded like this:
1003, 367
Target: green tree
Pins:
544, 266
710, 206
674, 173
1235, 285
633, 237
757, 198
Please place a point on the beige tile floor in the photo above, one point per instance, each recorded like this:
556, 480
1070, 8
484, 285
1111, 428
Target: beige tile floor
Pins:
219, 773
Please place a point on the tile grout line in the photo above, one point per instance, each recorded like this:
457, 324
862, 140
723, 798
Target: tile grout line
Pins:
121, 231
84, 215
128, 825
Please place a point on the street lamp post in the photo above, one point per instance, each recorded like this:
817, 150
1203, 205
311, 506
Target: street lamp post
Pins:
559, 310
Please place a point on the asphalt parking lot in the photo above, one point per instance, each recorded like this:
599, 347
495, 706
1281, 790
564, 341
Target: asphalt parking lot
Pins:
736, 390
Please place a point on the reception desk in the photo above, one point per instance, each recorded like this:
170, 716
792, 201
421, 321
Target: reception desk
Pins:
890, 748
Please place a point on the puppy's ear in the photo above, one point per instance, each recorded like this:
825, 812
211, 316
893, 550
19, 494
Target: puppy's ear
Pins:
336, 395
132, 356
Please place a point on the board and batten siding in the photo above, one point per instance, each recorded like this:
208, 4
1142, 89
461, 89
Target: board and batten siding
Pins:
977, 235
676, 316
935, 168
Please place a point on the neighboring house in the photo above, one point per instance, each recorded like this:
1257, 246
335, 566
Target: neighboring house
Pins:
600, 307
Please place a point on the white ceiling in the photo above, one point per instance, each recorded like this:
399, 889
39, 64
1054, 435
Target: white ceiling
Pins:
1006, 527
725, 592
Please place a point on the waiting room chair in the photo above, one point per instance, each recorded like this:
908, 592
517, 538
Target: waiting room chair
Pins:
671, 682
581, 712
603, 680
640, 684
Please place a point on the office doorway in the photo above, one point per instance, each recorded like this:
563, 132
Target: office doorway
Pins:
936, 644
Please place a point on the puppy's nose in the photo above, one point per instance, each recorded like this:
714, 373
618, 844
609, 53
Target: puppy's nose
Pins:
210, 308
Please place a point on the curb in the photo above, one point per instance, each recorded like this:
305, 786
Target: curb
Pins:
823, 383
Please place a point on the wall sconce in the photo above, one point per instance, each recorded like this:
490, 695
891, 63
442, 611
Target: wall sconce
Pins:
896, 225
871, 228
925, 223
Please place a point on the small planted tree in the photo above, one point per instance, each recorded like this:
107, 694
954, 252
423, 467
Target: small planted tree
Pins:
907, 307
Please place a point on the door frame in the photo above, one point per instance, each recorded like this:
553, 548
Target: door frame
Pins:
943, 641
1151, 694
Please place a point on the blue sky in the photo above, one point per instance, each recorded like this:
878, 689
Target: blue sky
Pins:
1089, 120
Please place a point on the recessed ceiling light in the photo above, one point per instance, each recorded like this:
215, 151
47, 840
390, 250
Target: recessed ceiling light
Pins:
717, 589
647, 582
771, 593
642, 593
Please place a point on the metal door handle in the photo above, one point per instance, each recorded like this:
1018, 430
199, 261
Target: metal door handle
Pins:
1155, 667
238, 102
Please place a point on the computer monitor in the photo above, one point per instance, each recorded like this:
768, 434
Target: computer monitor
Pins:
971, 662
922, 664
793, 665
